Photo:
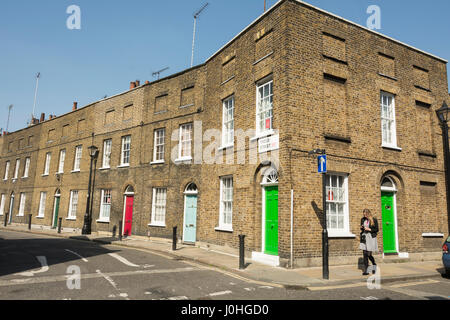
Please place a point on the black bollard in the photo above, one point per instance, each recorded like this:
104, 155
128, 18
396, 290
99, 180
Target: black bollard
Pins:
120, 230
29, 221
59, 225
6, 218
174, 239
241, 252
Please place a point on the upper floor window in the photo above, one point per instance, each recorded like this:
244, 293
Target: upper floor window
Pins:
26, 170
389, 134
184, 147
264, 111
62, 158
126, 147
77, 161
48, 158
107, 144
5, 177
228, 122
158, 151
16, 169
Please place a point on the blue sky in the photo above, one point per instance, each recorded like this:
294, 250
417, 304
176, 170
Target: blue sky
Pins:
121, 41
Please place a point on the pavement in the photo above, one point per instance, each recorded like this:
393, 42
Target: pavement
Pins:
227, 262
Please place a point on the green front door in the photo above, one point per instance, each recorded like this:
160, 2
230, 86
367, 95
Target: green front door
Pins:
55, 219
271, 224
388, 216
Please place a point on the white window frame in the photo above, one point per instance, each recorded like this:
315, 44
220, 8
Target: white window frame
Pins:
77, 159
187, 127
228, 122
264, 132
16, 169
331, 193
62, 159
23, 199
73, 205
105, 207
125, 154
2, 203
226, 224
159, 203
159, 142
7, 165
26, 170
42, 200
107, 147
48, 159
388, 119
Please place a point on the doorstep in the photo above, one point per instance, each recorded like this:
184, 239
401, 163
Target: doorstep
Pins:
273, 261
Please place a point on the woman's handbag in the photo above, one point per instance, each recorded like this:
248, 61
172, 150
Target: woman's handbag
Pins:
363, 238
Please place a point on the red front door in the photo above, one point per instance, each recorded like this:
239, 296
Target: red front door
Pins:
128, 215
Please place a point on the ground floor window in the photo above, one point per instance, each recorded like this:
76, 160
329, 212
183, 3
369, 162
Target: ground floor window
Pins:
2, 204
23, 198
226, 203
159, 206
73, 205
105, 206
337, 203
42, 204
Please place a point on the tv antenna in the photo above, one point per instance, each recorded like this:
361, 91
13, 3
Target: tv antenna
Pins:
35, 93
196, 15
9, 112
157, 73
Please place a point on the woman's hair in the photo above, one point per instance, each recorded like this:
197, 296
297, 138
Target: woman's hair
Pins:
369, 215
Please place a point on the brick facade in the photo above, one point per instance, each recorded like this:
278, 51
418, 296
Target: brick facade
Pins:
328, 75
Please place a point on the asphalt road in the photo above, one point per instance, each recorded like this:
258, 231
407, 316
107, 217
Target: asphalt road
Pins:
36, 267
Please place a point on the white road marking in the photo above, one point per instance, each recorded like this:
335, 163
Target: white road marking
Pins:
44, 268
178, 298
111, 281
265, 287
48, 279
123, 260
249, 289
221, 293
410, 284
84, 259
148, 293
369, 298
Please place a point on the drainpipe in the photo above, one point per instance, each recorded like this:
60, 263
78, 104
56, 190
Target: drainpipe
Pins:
292, 229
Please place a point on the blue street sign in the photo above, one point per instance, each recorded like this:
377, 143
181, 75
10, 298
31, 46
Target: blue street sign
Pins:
322, 164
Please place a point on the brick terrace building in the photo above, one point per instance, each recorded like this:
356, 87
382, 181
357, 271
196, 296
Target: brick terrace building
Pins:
296, 79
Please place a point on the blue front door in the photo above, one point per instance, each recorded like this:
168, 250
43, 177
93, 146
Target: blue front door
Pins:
190, 218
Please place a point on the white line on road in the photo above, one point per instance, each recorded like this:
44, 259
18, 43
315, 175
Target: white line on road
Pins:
410, 284
221, 293
178, 298
84, 259
44, 268
111, 281
123, 260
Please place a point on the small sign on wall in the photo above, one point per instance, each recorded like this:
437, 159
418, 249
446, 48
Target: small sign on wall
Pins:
269, 143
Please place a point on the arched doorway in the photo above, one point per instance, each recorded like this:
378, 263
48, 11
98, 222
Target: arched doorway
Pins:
389, 215
190, 213
56, 209
11, 208
128, 211
269, 219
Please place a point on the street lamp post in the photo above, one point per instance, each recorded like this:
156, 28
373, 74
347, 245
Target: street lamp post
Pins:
325, 247
443, 114
93, 153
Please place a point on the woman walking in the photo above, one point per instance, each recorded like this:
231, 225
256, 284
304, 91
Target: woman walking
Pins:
369, 244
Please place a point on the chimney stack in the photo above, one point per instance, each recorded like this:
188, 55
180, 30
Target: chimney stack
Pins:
75, 106
132, 85
147, 82
138, 83
42, 117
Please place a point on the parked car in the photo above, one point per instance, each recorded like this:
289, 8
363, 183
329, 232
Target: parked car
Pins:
446, 255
